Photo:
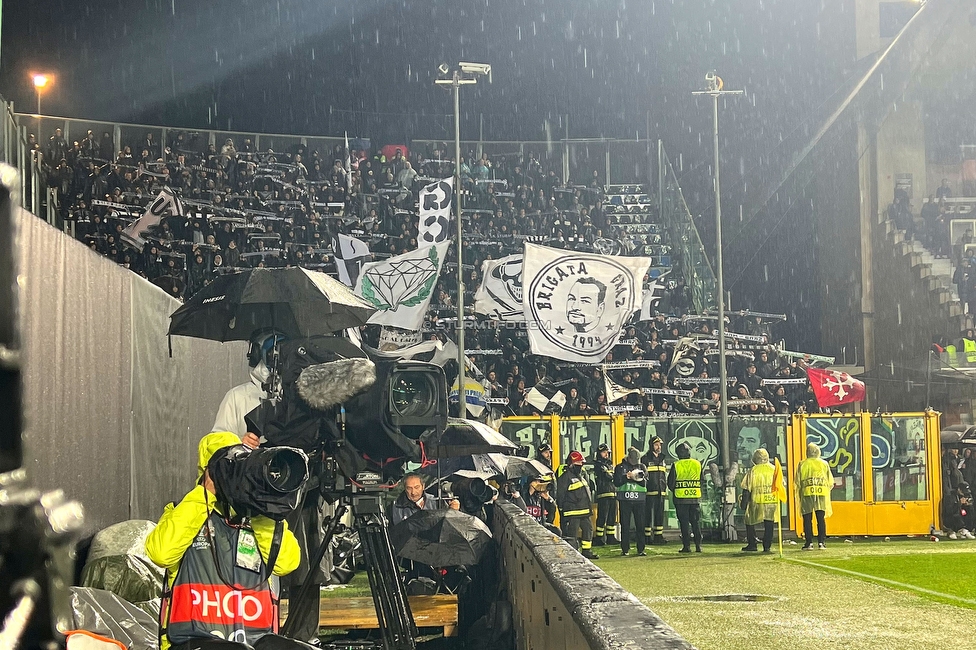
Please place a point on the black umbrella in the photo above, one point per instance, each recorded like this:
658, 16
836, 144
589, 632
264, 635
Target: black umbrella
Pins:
488, 465
466, 437
514, 467
482, 464
441, 538
295, 301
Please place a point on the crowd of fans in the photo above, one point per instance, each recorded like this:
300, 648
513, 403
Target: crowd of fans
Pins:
245, 208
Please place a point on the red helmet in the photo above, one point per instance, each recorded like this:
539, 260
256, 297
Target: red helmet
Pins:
575, 457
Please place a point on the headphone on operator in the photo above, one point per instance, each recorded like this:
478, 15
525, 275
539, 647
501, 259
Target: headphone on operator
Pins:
262, 342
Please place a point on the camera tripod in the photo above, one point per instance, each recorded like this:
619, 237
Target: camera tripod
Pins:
397, 628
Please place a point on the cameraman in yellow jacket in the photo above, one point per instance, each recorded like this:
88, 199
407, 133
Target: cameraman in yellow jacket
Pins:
200, 602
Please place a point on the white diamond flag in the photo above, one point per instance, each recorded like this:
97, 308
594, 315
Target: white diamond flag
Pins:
576, 303
401, 287
435, 212
500, 294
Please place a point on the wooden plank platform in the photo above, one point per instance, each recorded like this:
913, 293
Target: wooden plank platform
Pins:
359, 614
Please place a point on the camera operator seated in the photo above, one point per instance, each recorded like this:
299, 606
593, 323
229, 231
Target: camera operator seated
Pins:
219, 591
413, 499
540, 505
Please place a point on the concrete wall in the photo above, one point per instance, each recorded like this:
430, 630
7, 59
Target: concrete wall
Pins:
901, 150
562, 601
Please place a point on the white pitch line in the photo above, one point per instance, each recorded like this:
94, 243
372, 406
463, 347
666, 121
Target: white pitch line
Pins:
871, 578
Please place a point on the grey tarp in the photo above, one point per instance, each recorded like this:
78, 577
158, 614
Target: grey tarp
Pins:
110, 417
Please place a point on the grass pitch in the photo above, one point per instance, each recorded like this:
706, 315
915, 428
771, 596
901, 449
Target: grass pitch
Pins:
900, 594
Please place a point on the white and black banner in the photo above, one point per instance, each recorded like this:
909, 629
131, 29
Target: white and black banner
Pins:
350, 254
652, 295
400, 288
785, 381
394, 338
667, 391
435, 212
614, 390
500, 295
166, 204
636, 363
578, 302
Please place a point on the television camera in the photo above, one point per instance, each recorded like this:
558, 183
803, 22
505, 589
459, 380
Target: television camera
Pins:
356, 420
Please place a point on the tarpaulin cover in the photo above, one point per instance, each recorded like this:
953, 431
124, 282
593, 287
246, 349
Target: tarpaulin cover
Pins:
117, 562
105, 614
111, 418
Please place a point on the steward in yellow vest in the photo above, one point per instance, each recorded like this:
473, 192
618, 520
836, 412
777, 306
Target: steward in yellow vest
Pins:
685, 482
814, 482
758, 500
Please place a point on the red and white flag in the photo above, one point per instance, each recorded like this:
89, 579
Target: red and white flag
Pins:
833, 387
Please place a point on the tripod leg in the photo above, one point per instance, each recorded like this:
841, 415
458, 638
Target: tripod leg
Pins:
389, 596
297, 615
397, 589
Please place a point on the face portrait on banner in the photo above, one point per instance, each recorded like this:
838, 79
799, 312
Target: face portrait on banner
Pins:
578, 302
586, 304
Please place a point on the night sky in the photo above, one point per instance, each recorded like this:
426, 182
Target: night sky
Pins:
322, 67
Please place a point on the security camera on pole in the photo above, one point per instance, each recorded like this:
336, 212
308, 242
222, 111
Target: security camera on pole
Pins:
715, 90
465, 73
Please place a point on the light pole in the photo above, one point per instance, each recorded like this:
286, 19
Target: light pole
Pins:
41, 81
715, 90
465, 73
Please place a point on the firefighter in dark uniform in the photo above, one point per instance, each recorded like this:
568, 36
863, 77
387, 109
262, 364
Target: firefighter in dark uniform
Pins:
657, 492
574, 500
606, 501
630, 479
685, 482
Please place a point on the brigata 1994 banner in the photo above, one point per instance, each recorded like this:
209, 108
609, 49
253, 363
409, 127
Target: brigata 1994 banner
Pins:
579, 301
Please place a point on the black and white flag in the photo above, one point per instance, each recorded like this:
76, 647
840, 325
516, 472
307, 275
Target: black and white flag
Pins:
435, 212
652, 296
684, 363
350, 254
500, 294
614, 390
546, 398
166, 204
577, 303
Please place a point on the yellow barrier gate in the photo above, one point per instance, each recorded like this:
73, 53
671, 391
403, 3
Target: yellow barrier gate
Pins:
887, 474
887, 477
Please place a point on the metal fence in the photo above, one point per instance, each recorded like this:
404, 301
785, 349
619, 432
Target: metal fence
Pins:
690, 255
16, 151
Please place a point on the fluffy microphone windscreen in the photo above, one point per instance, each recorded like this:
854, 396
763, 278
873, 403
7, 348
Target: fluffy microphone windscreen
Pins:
329, 384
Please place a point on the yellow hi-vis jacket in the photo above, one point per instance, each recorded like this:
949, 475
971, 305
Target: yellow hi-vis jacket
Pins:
179, 525
687, 480
814, 482
763, 504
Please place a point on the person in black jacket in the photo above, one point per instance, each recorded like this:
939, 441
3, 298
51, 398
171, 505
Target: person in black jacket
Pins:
657, 491
630, 478
606, 502
575, 503
539, 503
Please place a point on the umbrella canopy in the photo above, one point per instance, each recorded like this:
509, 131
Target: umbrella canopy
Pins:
514, 467
958, 434
466, 437
487, 466
295, 301
481, 465
441, 538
